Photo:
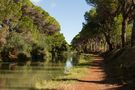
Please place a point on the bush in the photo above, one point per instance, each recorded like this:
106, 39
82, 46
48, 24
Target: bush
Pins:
15, 44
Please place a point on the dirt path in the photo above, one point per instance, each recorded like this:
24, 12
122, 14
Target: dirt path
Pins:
94, 80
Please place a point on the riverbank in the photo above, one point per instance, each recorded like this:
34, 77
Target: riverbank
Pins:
104, 74
78, 71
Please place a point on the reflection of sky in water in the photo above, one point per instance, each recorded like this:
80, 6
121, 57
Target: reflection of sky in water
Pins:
68, 64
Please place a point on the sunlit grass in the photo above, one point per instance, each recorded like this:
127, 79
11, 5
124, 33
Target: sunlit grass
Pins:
62, 81
74, 74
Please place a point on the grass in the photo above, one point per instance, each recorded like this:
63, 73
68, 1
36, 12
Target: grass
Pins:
67, 79
75, 73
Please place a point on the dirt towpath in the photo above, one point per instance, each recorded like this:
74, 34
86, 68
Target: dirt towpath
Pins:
94, 80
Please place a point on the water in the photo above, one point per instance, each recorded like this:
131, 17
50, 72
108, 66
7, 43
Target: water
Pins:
68, 65
15, 77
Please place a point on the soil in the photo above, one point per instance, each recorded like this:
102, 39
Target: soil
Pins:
95, 79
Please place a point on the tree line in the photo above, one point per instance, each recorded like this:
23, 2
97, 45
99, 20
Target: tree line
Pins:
27, 32
109, 24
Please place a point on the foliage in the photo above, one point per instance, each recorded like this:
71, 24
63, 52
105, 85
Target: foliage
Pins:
15, 40
28, 29
104, 24
57, 46
15, 45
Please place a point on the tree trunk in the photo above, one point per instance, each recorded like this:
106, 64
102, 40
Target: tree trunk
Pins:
133, 34
107, 37
123, 34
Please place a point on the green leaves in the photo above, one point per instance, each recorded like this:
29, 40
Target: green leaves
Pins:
15, 40
10, 10
105, 23
27, 25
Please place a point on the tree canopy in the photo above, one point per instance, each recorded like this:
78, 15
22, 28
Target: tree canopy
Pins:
24, 25
107, 24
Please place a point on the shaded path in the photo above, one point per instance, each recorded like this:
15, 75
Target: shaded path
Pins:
95, 80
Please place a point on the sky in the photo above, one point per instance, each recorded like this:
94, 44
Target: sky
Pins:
69, 13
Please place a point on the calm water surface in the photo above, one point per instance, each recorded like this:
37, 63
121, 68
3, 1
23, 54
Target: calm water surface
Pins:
14, 77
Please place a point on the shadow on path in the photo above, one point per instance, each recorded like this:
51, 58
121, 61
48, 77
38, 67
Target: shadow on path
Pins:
99, 67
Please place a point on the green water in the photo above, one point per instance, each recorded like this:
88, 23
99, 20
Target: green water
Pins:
25, 77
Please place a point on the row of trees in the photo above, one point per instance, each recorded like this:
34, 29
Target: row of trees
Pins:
109, 24
28, 32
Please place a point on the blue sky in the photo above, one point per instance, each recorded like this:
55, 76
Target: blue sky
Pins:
69, 13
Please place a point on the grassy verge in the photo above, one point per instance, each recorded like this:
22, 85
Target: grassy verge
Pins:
75, 73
